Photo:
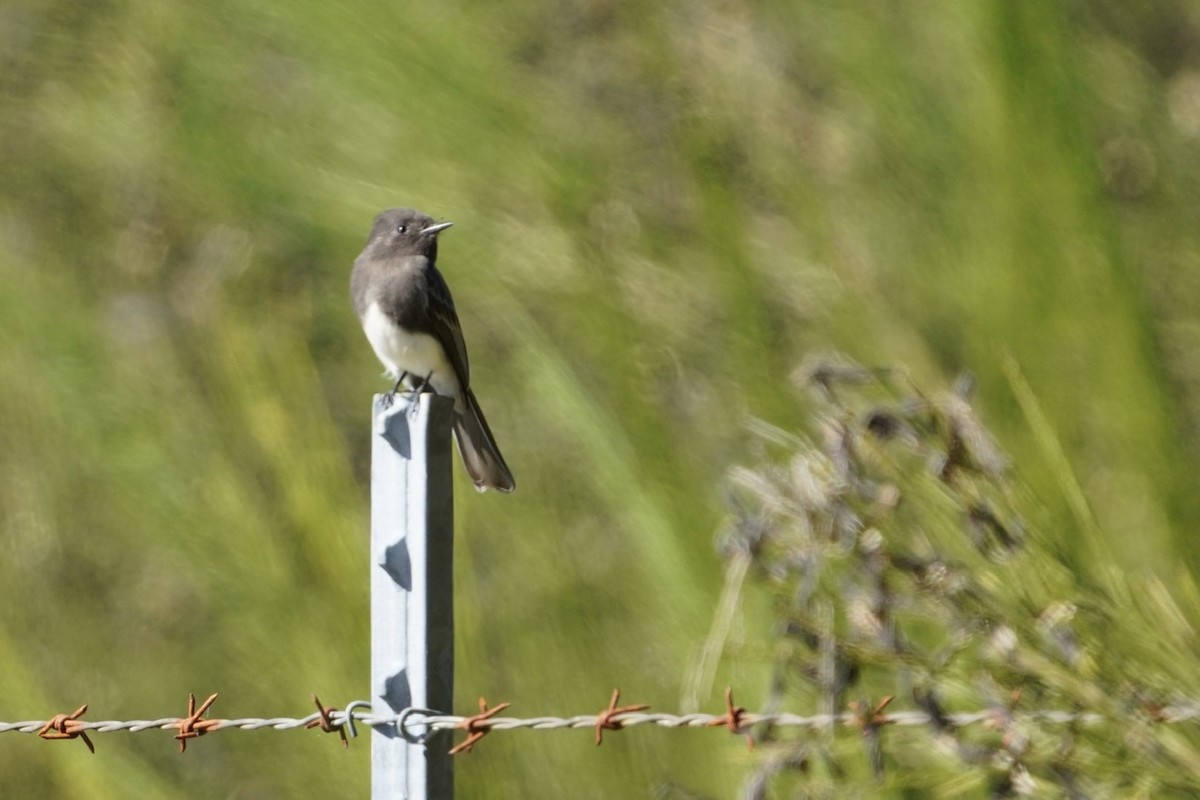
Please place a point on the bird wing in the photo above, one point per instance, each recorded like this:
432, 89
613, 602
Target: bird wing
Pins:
446, 328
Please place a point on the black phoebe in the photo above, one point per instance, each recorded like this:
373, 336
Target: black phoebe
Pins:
408, 315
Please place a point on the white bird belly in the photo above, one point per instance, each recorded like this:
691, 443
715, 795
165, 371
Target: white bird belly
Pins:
400, 350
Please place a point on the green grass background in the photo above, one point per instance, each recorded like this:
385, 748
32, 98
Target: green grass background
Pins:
660, 209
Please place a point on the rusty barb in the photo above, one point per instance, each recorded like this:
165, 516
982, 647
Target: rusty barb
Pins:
609, 718
734, 718
475, 728
735, 715
325, 721
870, 718
194, 724
67, 726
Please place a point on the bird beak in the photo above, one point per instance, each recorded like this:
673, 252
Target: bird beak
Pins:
433, 229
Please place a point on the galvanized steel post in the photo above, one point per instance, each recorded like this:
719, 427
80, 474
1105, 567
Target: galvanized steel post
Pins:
412, 599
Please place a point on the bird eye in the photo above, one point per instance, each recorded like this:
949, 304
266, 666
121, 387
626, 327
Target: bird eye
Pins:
401, 229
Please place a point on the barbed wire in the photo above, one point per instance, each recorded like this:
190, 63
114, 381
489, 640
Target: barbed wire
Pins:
417, 724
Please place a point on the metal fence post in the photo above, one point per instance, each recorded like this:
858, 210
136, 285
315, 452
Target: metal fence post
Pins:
412, 599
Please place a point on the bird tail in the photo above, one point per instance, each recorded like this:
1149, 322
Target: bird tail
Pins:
478, 448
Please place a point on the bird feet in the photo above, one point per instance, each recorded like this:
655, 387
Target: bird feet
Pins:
416, 388
419, 389
390, 397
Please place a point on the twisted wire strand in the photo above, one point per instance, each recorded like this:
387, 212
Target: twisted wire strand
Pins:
424, 719
631, 719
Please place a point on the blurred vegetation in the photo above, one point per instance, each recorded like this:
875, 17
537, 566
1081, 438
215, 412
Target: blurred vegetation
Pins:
662, 208
900, 565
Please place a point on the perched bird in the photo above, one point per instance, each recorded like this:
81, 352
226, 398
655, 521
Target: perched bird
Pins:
408, 315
